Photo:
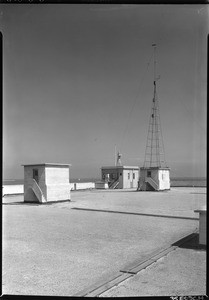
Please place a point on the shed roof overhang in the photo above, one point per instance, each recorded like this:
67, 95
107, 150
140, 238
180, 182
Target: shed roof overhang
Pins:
154, 168
121, 167
48, 165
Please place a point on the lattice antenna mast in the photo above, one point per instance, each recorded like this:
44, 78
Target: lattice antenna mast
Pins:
154, 153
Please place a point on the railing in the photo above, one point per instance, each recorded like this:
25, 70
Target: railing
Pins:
38, 192
152, 183
114, 184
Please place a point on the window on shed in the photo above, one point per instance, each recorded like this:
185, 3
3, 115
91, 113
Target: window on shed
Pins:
128, 175
35, 174
148, 173
133, 175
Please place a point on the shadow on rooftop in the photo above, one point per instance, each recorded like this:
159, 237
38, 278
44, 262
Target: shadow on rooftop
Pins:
36, 203
21, 203
190, 242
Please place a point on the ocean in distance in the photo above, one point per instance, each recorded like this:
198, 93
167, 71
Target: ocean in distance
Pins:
175, 181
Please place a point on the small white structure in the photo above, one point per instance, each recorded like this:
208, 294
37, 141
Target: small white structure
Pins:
202, 225
46, 182
121, 177
154, 179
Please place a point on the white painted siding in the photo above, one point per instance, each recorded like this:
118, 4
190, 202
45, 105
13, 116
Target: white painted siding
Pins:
128, 179
53, 181
12, 189
82, 185
57, 175
161, 178
164, 179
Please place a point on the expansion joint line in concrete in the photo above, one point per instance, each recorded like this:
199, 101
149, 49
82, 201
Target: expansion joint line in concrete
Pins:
125, 273
137, 214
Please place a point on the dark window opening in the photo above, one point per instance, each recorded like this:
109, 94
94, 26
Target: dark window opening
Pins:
148, 173
35, 174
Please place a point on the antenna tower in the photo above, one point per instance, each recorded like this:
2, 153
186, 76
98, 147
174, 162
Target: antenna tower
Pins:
154, 153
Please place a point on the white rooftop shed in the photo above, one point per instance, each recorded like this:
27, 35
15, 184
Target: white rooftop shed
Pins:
46, 182
121, 177
154, 179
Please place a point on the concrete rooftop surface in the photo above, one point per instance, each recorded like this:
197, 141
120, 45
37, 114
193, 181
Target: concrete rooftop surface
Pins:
105, 243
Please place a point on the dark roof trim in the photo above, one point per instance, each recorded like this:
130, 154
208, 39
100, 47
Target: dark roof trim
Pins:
121, 167
155, 168
48, 165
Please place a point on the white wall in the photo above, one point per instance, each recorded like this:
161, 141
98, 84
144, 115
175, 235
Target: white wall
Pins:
126, 181
101, 185
57, 175
82, 185
131, 182
12, 189
52, 180
57, 183
164, 179
57, 192
19, 189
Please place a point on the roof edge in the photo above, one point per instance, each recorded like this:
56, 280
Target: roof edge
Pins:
47, 164
120, 167
154, 168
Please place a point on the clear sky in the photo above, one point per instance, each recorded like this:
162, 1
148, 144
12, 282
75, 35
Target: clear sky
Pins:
77, 81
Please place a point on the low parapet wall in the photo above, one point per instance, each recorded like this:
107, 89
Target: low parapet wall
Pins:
12, 189
19, 189
82, 186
